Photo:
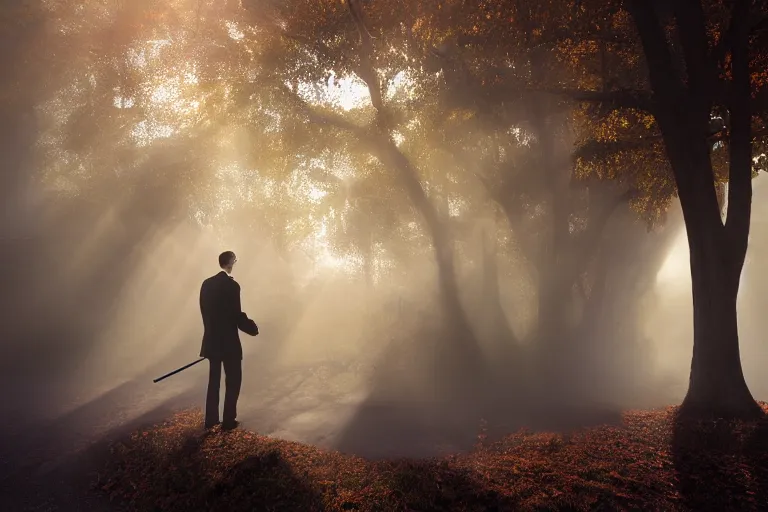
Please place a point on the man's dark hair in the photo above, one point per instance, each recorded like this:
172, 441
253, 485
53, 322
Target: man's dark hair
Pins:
226, 258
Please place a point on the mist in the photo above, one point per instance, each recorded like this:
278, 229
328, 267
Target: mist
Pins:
668, 318
108, 235
107, 306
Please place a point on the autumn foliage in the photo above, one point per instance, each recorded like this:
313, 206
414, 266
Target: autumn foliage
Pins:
652, 461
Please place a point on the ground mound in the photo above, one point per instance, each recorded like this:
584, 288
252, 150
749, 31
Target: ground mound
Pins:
654, 461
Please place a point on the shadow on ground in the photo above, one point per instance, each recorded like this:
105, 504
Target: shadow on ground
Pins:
721, 465
383, 429
184, 478
48, 464
185, 469
414, 410
421, 486
273, 477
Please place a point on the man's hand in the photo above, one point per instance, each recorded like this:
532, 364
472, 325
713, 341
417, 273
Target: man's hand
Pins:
247, 325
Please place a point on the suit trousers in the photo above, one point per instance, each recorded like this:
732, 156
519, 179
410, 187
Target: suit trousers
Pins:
233, 379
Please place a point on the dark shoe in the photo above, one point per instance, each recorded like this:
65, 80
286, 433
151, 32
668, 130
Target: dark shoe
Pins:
230, 425
210, 425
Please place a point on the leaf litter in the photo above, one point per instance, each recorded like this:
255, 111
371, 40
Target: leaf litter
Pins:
653, 461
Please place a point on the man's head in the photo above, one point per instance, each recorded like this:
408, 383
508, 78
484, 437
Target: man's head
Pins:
227, 261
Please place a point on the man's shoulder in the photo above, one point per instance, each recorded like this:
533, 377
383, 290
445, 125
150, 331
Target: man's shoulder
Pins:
216, 278
221, 279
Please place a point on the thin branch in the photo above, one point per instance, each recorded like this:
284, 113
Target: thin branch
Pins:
324, 118
366, 71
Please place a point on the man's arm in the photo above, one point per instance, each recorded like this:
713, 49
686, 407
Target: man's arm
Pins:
204, 349
237, 306
244, 323
203, 294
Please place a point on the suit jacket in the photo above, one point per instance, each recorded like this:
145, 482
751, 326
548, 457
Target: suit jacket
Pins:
222, 317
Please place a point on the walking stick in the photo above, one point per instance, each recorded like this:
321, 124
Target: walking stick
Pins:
174, 372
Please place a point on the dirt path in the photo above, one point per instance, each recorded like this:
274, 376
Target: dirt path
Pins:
57, 442
58, 438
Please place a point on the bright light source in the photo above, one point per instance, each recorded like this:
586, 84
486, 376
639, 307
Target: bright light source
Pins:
676, 268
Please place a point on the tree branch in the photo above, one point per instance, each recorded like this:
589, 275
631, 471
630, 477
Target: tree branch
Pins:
509, 201
367, 71
647, 142
702, 74
641, 100
724, 45
584, 244
557, 35
325, 118
740, 176
661, 69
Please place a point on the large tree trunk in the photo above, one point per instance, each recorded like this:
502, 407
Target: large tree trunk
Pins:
388, 152
717, 384
553, 284
441, 239
717, 252
459, 357
683, 111
491, 292
505, 354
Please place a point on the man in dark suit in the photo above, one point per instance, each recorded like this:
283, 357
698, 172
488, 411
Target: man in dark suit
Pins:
222, 317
